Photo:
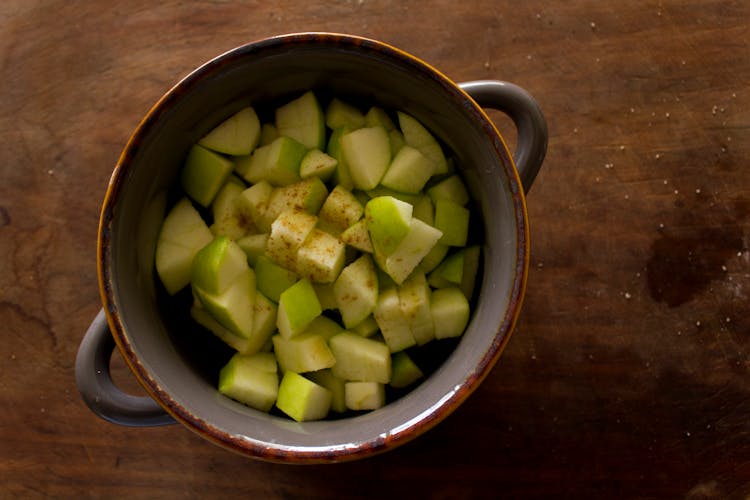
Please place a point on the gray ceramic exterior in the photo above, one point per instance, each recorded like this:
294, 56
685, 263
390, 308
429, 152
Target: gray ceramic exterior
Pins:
267, 71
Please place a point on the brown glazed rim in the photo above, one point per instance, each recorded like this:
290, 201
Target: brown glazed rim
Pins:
320, 454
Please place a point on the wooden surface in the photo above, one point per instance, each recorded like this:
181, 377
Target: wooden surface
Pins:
628, 374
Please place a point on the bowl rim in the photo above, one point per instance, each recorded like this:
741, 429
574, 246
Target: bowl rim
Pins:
376, 444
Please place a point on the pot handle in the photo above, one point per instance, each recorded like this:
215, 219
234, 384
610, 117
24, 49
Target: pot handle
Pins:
99, 392
527, 116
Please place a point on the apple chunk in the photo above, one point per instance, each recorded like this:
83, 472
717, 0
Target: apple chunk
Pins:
356, 291
302, 399
237, 135
303, 119
360, 359
388, 222
321, 257
368, 153
251, 379
182, 235
450, 312
217, 265
204, 173
298, 307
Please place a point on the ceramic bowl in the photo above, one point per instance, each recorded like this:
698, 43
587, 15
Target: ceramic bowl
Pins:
178, 365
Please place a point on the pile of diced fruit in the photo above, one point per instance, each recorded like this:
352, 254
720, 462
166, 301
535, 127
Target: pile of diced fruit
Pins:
321, 245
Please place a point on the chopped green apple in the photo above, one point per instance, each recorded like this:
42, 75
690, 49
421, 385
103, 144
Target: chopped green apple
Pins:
357, 236
393, 324
411, 250
324, 327
367, 327
253, 203
471, 267
360, 359
424, 209
254, 245
268, 134
316, 163
302, 399
327, 379
409, 171
341, 176
306, 352
450, 312
364, 395
342, 114
272, 279
396, 138
414, 300
433, 258
450, 272
451, 188
249, 380
378, 116
183, 233
325, 294
417, 136
356, 291
277, 163
217, 265
233, 307
404, 371
367, 152
204, 173
298, 306
452, 220
239, 344
388, 222
308, 195
321, 257
288, 232
340, 210
229, 218
303, 119
237, 135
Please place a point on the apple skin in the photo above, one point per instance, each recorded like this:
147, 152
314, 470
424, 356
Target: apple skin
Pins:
298, 306
250, 380
388, 222
217, 265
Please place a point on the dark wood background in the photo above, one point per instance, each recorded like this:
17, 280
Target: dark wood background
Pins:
629, 373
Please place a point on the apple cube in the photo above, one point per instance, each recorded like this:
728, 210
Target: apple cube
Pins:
217, 265
324, 327
204, 173
417, 136
277, 163
450, 271
409, 171
364, 395
265, 313
318, 164
272, 279
183, 233
325, 294
356, 291
450, 312
360, 359
327, 379
388, 222
412, 249
237, 135
341, 176
340, 209
288, 232
302, 399
394, 325
321, 257
232, 307
306, 352
451, 188
303, 120
307, 195
453, 220
404, 371
253, 203
414, 299
254, 245
378, 116
239, 344
249, 379
396, 138
298, 306
367, 327
367, 152
471, 267
229, 218
433, 258
424, 209
268, 134
343, 114
357, 236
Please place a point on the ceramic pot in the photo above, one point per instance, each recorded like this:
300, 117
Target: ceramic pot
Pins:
178, 365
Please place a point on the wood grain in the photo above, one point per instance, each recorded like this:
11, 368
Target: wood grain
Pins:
627, 376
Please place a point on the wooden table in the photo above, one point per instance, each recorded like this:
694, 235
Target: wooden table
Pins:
628, 374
